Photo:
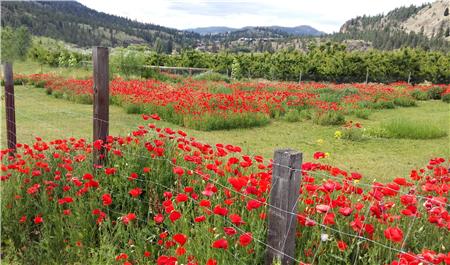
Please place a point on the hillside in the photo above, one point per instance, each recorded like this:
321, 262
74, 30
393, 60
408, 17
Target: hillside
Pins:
303, 30
425, 26
73, 22
432, 20
211, 30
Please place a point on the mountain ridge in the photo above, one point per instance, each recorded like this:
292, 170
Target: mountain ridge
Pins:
302, 30
72, 22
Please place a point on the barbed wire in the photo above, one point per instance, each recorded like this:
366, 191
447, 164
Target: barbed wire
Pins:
356, 236
191, 223
320, 224
228, 221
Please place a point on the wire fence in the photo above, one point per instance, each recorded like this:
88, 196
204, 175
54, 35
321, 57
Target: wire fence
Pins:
366, 187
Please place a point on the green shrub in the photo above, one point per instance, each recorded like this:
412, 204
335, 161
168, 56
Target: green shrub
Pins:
405, 102
20, 81
328, 118
40, 84
132, 108
292, 115
57, 94
225, 121
376, 132
419, 95
305, 114
116, 100
446, 98
353, 134
435, 92
365, 104
83, 99
362, 113
48, 90
383, 105
127, 62
408, 129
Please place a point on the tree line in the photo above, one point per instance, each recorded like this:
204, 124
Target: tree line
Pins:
328, 62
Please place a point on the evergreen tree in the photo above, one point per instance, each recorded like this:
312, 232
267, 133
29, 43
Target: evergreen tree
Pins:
15, 43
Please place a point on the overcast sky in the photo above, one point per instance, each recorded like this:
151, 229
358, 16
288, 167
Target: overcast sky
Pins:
325, 15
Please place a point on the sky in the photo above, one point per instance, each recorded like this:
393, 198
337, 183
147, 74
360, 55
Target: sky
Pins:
324, 15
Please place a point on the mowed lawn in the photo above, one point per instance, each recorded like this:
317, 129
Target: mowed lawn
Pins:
38, 114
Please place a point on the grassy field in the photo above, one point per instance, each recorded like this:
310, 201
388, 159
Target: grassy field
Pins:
31, 67
38, 114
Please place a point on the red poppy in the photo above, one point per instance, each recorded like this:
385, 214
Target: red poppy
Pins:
322, 208
155, 117
253, 204
394, 234
319, 155
220, 243
38, 219
122, 256
135, 192
180, 251
345, 211
342, 245
23, 219
229, 231
178, 170
245, 239
133, 176
166, 260
199, 219
181, 198
174, 216
110, 171
107, 200
159, 218
236, 219
205, 203
220, 210
180, 239
128, 218
211, 262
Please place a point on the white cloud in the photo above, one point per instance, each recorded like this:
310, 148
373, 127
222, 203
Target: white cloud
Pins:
325, 15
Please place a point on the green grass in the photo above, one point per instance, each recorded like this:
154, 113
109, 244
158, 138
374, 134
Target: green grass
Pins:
411, 129
31, 67
38, 114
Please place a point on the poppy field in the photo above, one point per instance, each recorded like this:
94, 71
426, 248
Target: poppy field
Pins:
207, 106
165, 198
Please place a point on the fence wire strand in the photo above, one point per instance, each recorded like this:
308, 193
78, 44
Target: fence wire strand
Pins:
321, 224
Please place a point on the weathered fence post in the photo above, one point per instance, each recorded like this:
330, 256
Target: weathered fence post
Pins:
10, 107
409, 78
282, 217
300, 78
100, 57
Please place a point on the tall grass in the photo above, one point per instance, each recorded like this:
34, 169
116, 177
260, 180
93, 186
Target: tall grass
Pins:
409, 129
328, 118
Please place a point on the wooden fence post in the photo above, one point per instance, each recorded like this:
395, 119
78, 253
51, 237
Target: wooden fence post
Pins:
282, 218
10, 107
100, 57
